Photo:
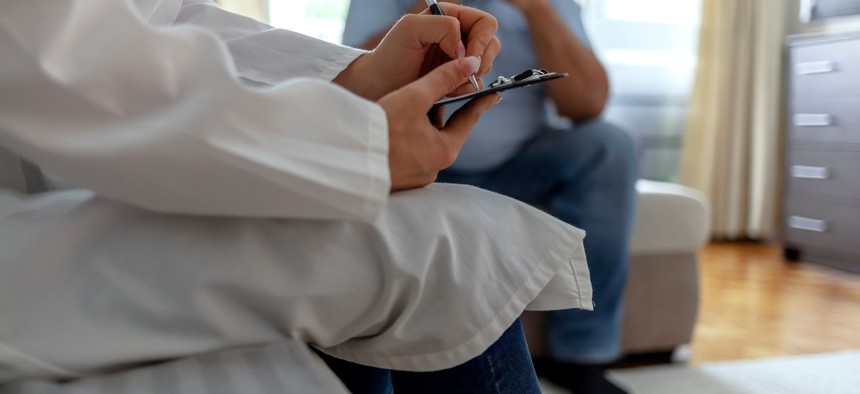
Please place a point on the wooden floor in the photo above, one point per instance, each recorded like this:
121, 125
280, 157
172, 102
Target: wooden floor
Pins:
756, 305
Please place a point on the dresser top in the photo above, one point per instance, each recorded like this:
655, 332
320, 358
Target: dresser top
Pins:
817, 38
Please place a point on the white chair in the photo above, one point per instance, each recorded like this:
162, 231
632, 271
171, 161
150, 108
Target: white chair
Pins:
662, 298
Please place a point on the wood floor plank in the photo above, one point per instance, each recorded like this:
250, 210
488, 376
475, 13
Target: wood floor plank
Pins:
756, 305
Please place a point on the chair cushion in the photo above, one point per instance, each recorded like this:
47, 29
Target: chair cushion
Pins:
670, 218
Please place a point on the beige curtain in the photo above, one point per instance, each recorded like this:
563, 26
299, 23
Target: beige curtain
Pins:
732, 143
257, 9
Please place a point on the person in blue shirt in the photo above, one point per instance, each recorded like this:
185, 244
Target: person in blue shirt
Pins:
546, 145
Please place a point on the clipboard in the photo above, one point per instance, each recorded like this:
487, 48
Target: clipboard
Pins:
521, 80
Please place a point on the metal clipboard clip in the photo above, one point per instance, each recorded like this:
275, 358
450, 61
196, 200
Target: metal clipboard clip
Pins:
502, 83
528, 75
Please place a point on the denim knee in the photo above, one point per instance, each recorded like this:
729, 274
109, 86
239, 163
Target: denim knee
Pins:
613, 147
617, 143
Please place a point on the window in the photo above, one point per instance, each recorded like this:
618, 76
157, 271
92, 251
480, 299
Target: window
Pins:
650, 51
322, 19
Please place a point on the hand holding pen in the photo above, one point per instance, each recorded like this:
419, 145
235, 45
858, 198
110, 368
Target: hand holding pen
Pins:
435, 10
417, 44
409, 70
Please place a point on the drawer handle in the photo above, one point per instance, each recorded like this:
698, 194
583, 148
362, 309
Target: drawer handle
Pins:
808, 120
807, 172
808, 68
802, 223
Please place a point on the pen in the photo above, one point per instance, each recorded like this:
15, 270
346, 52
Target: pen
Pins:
435, 10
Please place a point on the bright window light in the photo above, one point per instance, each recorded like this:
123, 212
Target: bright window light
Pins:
323, 19
673, 12
668, 59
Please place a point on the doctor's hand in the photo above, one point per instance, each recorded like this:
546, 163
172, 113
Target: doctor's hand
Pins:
417, 148
417, 44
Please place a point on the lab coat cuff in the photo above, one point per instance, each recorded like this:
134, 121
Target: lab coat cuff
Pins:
341, 62
379, 175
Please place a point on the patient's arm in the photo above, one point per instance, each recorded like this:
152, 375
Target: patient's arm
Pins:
582, 96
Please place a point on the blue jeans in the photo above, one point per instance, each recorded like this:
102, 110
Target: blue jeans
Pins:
586, 177
504, 368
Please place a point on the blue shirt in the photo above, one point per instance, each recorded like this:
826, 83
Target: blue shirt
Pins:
523, 113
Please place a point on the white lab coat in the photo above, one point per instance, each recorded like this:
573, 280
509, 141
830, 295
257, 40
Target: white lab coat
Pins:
228, 196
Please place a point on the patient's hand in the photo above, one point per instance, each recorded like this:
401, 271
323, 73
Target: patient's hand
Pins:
525, 5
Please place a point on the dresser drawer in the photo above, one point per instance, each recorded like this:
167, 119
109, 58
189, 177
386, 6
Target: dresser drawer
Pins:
830, 68
825, 173
829, 227
825, 119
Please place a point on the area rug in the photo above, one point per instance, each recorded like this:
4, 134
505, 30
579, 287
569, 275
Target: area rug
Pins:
827, 373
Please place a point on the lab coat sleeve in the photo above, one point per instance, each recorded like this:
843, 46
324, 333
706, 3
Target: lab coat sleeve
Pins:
157, 118
263, 54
